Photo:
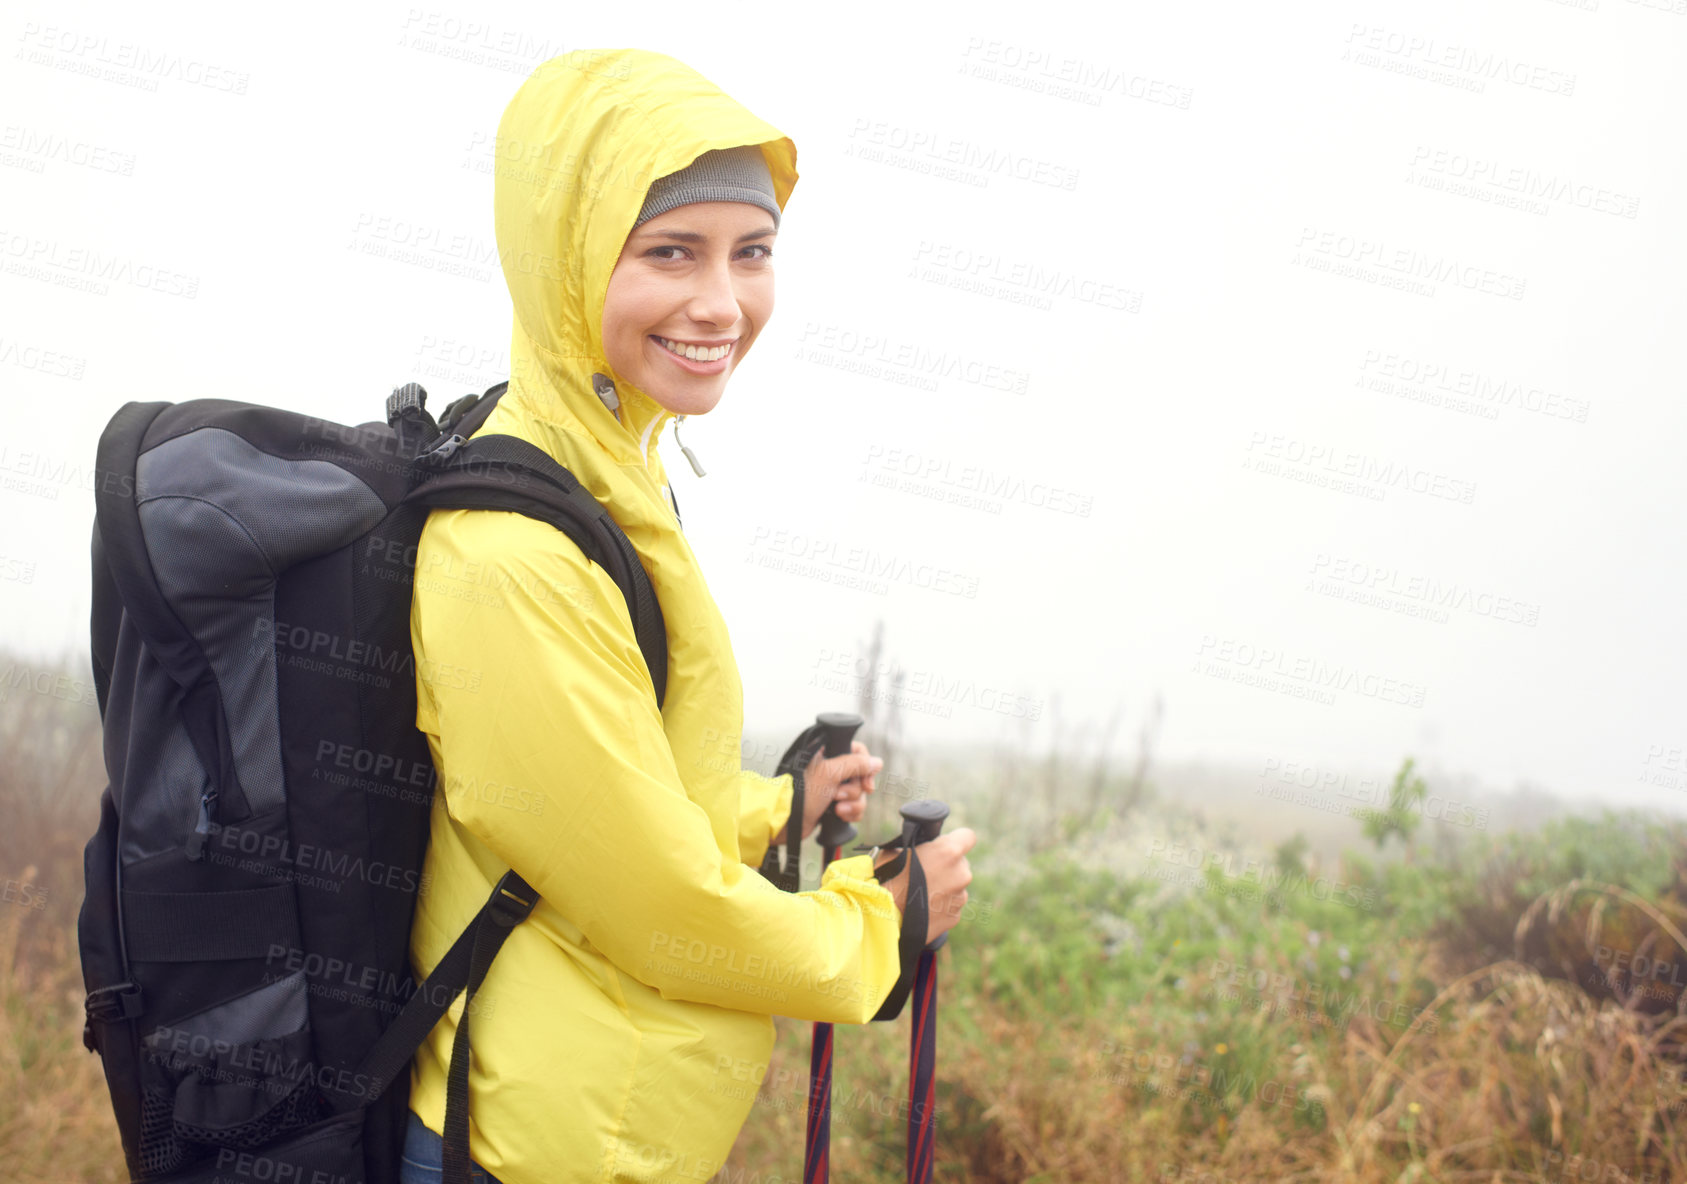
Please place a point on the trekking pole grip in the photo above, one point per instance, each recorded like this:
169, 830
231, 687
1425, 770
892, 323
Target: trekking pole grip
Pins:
839, 728
922, 821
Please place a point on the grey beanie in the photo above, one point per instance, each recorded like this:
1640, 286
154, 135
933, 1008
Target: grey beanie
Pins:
722, 174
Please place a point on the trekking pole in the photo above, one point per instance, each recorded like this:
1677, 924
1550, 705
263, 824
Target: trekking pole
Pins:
927, 818
839, 729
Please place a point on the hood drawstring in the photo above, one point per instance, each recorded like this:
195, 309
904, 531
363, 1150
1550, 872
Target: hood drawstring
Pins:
606, 391
696, 466
605, 388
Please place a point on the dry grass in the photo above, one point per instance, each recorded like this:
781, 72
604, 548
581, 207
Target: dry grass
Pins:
1518, 1077
55, 1115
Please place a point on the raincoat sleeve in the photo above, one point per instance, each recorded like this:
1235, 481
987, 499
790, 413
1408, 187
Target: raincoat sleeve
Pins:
764, 804
548, 694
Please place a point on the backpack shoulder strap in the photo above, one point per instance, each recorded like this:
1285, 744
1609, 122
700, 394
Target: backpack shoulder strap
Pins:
499, 472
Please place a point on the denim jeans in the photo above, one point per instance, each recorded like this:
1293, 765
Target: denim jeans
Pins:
424, 1157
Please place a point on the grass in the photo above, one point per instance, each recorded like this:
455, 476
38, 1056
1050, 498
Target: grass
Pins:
1100, 1022
55, 1117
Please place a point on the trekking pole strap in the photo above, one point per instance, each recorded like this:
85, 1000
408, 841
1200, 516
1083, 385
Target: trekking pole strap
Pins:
787, 874
916, 918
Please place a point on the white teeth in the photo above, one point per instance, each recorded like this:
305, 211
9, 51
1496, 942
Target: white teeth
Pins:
695, 353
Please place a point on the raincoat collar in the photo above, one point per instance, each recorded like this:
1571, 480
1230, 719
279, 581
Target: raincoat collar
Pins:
577, 149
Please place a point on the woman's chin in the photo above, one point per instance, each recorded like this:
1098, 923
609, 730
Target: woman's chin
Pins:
690, 398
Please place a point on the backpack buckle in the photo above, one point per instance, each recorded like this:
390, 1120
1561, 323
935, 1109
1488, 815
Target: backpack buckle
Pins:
510, 905
408, 398
109, 1005
438, 454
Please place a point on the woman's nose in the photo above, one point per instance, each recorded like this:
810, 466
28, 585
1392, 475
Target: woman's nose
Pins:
715, 300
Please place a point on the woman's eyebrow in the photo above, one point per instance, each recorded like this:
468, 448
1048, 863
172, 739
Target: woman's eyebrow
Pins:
691, 236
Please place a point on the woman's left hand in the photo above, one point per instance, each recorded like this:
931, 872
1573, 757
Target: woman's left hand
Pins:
846, 779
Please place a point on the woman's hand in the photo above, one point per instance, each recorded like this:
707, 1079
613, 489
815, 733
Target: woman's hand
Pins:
947, 874
846, 779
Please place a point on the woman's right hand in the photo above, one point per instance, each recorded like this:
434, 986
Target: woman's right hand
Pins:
947, 874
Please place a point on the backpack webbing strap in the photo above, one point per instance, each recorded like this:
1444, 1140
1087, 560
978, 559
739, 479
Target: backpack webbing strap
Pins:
511, 900
498, 472
508, 907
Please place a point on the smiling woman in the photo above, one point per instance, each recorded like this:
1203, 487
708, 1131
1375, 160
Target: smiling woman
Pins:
657, 952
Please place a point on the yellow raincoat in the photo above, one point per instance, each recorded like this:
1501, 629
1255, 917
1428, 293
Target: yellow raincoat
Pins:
623, 1028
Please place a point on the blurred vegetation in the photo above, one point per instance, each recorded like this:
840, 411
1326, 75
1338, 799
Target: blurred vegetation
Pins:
1116, 1006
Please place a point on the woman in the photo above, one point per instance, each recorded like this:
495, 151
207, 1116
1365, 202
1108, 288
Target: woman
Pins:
624, 1025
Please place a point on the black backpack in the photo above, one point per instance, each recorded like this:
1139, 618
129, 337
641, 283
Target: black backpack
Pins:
245, 933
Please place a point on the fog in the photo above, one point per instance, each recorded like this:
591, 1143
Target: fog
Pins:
1312, 371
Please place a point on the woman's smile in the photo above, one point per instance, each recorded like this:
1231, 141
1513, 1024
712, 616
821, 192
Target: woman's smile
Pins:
696, 357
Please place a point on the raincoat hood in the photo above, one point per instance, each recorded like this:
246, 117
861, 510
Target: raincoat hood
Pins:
577, 149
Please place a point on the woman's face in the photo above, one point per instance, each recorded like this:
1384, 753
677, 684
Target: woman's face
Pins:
698, 276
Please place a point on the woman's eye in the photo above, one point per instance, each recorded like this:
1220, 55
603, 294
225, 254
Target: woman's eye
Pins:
766, 251
657, 252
